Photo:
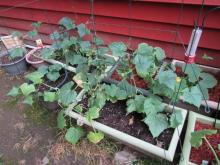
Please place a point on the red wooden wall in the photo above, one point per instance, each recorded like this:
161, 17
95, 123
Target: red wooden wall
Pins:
151, 21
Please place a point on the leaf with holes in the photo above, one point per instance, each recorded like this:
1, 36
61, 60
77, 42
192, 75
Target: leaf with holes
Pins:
50, 96
167, 78
197, 136
14, 92
192, 96
82, 30
73, 134
66, 94
61, 121
67, 23
118, 49
95, 137
176, 119
27, 89
157, 123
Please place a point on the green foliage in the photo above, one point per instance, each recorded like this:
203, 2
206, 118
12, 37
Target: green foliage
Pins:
16, 34
206, 57
118, 49
82, 30
36, 24
193, 96
47, 53
92, 113
28, 100
50, 96
61, 121
14, 92
16, 52
208, 80
192, 71
198, 136
95, 137
66, 94
53, 73
167, 78
55, 35
73, 134
157, 123
67, 23
27, 89
35, 77
32, 33
176, 119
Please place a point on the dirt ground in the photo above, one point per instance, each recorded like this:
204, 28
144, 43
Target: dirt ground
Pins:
29, 136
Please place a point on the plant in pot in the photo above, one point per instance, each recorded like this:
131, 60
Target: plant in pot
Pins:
201, 142
42, 86
14, 61
191, 81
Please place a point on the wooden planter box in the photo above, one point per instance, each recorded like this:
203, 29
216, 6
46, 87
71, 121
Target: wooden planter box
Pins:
212, 70
138, 144
193, 117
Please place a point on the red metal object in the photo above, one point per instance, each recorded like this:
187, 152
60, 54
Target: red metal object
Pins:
151, 21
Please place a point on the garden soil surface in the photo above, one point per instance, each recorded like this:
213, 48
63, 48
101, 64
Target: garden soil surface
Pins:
30, 137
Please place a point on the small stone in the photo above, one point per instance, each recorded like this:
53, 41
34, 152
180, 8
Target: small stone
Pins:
124, 158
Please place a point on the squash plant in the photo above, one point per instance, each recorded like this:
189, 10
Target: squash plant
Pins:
37, 86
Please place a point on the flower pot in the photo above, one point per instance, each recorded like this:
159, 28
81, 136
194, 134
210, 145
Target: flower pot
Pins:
34, 61
54, 106
136, 143
17, 67
212, 70
193, 118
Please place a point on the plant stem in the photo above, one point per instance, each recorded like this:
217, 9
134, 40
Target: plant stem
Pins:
213, 151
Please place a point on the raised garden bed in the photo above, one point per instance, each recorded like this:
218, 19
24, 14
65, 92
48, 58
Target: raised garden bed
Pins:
193, 156
214, 92
114, 122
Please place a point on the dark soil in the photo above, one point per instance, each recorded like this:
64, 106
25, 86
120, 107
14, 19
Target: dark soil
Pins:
114, 115
203, 152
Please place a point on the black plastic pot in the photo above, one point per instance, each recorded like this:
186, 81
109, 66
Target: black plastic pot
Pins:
17, 67
53, 106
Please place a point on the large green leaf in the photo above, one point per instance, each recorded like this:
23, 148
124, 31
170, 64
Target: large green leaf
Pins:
35, 77
167, 78
50, 96
153, 104
14, 92
193, 72
74, 59
43, 69
193, 96
208, 80
67, 42
82, 30
163, 90
73, 134
27, 89
157, 123
136, 104
142, 64
95, 137
66, 94
85, 45
61, 121
159, 53
92, 113
128, 88
53, 76
28, 100
176, 119
144, 49
111, 90
197, 136
118, 49
67, 23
